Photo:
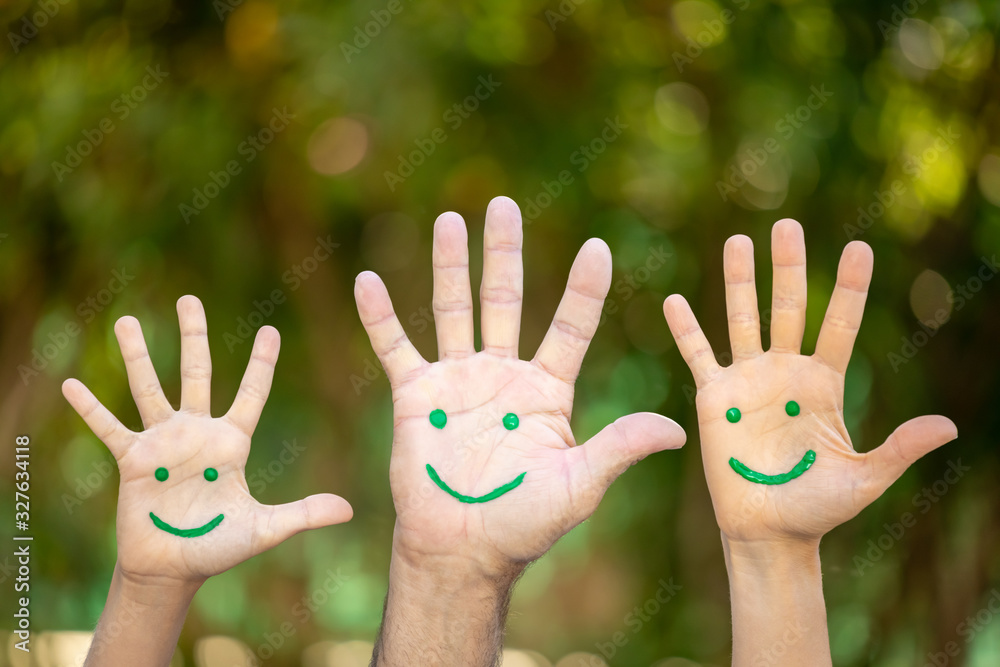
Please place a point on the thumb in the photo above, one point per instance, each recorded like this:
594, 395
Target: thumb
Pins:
907, 443
628, 441
318, 511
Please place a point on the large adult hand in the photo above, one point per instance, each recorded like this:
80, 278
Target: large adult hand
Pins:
485, 471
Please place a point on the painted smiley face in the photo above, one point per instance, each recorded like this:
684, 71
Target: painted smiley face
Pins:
161, 474
792, 410
439, 420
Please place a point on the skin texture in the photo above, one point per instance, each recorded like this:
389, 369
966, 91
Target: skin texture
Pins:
453, 563
158, 573
771, 534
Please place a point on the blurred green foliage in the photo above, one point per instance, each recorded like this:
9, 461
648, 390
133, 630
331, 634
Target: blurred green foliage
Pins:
873, 120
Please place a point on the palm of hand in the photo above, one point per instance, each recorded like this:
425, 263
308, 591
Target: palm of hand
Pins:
475, 453
185, 512
186, 446
767, 439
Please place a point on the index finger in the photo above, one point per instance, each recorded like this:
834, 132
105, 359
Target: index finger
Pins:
579, 313
847, 306
256, 384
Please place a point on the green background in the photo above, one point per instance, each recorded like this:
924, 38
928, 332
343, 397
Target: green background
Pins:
701, 88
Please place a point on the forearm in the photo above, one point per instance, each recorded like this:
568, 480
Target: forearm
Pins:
779, 615
442, 613
140, 623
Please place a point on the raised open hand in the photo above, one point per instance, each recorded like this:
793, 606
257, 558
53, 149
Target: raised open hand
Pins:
184, 510
484, 464
778, 458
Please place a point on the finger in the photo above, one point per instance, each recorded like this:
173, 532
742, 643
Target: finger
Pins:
690, 340
503, 277
397, 354
741, 298
579, 313
196, 361
907, 443
149, 399
788, 294
318, 511
452, 289
256, 384
628, 441
847, 306
105, 425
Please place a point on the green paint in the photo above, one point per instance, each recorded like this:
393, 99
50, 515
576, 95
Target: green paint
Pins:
161, 474
733, 415
495, 493
189, 532
439, 419
510, 421
792, 408
211, 474
761, 478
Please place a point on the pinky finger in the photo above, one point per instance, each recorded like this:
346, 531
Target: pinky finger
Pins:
318, 511
105, 425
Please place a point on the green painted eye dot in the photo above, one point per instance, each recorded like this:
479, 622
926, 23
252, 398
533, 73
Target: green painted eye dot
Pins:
733, 415
211, 474
438, 419
510, 421
792, 408
161, 474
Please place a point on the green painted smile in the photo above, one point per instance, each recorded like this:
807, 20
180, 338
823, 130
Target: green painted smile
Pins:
495, 493
761, 478
189, 532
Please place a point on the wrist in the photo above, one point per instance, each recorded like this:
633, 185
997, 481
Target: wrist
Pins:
442, 576
153, 592
777, 556
421, 557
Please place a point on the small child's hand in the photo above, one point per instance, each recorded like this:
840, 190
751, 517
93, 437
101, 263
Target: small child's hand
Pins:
184, 510
778, 458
